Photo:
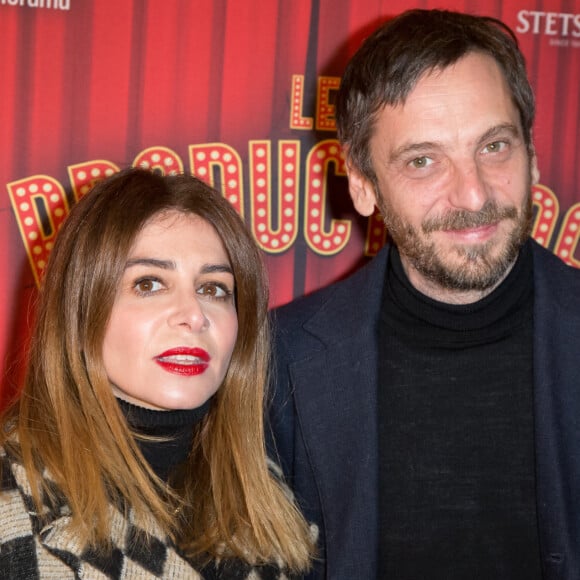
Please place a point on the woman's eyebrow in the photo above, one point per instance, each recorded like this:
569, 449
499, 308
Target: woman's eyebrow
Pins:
210, 268
155, 262
170, 265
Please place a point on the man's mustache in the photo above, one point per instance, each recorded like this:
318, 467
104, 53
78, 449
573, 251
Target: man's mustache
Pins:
457, 220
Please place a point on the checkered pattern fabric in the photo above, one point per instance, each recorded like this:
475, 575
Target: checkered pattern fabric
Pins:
35, 550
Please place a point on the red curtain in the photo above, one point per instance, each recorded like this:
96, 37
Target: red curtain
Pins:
241, 93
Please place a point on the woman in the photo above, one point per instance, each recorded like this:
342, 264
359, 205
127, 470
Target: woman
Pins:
136, 447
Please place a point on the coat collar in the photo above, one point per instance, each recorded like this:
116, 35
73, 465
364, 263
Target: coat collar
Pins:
352, 306
337, 412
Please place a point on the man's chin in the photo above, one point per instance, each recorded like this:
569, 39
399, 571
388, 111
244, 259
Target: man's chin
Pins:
473, 270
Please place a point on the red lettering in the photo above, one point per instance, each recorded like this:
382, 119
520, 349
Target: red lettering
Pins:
325, 120
84, 176
161, 159
269, 239
208, 158
548, 209
297, 121
40, 206
322, 241
568, 238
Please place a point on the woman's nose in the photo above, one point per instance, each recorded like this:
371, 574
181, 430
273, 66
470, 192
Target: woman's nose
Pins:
188, 311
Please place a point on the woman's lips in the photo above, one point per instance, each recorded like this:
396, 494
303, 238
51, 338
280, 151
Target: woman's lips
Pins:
184, 361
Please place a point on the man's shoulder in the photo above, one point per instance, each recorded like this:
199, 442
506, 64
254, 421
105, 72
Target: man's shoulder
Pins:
556, 290
551, 270
358, 290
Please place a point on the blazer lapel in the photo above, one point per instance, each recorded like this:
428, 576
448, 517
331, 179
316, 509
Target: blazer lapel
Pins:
336, 405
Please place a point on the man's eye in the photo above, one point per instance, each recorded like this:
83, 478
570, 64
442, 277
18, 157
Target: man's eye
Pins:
421, 162
147, 285
495, 147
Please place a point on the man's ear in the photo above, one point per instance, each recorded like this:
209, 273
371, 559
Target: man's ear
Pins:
362, 191
534, 169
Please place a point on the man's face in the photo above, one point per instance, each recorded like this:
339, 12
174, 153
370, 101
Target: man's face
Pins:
453, 180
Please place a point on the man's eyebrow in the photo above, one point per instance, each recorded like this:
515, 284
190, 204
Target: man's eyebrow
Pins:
493, 132
426, 146
414, 148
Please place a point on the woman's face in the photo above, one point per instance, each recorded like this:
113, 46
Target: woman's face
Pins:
173, 325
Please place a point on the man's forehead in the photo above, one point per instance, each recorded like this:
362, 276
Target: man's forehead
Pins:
472, 91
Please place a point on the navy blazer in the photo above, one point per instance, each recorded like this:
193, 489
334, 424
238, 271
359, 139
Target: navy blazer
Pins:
324, 423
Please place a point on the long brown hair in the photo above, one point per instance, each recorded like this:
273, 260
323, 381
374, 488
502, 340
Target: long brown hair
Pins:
67, 420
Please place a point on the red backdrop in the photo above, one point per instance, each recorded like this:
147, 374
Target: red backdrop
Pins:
240, 93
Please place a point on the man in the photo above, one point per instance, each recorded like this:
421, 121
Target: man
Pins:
427, 409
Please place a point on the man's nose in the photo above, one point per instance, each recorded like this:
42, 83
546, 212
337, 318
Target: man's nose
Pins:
469, 190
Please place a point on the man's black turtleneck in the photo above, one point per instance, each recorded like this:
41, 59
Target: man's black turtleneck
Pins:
174, 429
456, 433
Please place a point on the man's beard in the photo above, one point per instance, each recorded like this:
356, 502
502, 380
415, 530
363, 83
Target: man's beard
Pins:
473, 267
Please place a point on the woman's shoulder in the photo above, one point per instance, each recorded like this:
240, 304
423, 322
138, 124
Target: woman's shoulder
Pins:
30, 548
13, 480
33, 547
18, 547
15, 486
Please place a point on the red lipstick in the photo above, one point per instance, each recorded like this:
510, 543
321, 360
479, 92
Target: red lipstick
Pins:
184, 361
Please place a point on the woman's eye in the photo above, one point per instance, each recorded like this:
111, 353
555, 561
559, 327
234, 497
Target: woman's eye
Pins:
148, 285
214, 290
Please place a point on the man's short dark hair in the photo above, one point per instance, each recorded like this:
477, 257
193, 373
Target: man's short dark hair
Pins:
389, 63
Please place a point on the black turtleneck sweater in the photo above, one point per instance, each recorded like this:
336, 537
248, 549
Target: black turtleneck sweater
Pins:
175, 427
456, 434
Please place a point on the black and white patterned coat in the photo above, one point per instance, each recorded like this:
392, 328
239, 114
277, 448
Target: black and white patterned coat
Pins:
35, 550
